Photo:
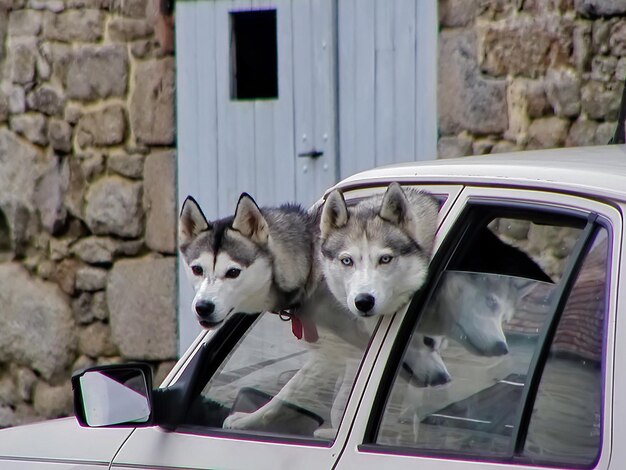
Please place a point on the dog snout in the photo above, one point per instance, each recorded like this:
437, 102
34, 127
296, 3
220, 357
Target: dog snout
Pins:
204, 309
364, 302
440, 378
499, 349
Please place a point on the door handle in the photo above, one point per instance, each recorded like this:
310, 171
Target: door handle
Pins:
311, 154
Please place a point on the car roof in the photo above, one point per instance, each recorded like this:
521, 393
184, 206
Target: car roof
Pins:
592, 171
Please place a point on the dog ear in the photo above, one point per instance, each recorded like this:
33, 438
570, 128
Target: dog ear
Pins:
191, 221
334, 213
249, 220
395, 207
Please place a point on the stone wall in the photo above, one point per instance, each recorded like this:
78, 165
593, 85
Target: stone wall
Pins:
87, 196
525, 74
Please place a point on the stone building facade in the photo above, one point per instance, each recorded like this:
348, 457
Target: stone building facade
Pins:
524, 74
87, 195
88, 171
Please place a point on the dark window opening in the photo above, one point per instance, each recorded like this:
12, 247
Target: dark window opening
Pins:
254, 55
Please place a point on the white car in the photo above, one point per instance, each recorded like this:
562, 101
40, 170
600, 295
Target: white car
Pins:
534, 240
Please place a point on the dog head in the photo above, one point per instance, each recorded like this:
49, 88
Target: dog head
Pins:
423, 363
375, 254
475, 305
225, 260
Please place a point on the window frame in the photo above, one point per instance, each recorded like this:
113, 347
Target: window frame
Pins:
593, 221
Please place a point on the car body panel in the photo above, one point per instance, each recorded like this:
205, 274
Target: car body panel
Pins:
599, 171
60, 443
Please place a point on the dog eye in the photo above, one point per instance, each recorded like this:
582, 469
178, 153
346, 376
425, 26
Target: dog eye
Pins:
491, 302
429, 342
232, 273
346, 261
197, 270
385, 259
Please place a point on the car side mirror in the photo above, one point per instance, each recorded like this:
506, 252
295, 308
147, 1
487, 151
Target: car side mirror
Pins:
114, 396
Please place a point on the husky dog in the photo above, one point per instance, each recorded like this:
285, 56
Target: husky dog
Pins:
256, 260
375, 254
423, 363
470, 308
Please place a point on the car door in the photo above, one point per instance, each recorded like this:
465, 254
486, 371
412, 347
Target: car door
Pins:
246, 367
523, 290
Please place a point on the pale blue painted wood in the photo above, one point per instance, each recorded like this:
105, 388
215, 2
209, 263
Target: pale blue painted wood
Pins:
365, 106
347, 91
322, 170
384, 89
426, 80
404, 80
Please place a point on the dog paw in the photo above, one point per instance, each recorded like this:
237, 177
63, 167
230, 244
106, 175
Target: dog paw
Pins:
238, 420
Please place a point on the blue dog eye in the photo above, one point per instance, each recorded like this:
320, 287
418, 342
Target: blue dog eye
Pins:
385, 259
346, 261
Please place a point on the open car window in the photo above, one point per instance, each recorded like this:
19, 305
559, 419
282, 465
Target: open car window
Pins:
515, 322
273, 382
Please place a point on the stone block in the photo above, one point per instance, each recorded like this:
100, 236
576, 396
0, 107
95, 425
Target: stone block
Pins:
581, 42
95, 250
563, 91
134, 8
595, 8
549, 132
46, 100
52, 401
33, 126
24, 23
454, 146
160, 201
466, 100
600, 100
113, 207
49, 196
582, 133
100, 128
92, 73
617, 41
90, 279
505, 47
129, 29
127, 165
74, 26
19, 167
152, 102
43, 339
457, 13
60, 135
95, 340
141, 297
22, 58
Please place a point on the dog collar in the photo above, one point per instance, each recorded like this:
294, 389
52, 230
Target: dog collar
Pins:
301, 328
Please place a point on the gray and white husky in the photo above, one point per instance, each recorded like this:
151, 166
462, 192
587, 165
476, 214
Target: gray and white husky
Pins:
254, 261
375, 254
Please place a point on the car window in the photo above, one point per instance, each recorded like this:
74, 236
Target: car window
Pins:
276, 381
515, 322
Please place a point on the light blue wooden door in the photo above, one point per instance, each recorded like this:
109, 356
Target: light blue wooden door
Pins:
387, 83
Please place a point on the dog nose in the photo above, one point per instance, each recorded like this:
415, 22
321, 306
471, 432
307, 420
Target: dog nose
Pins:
500, 349
364, 302
440, 379
204, 308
